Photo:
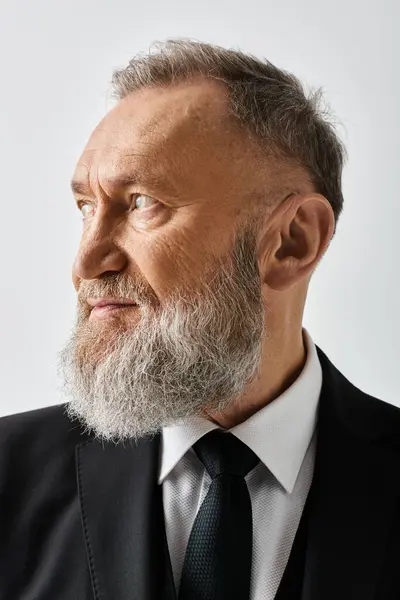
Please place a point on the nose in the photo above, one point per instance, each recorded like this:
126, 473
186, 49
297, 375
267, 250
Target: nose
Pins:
96, 256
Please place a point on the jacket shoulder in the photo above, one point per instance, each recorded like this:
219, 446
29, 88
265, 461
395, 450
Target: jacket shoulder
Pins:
366, 415
382, 418
36, 438
374, 417
41, 426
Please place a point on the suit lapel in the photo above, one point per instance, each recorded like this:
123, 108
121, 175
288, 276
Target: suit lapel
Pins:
354, 495
123, 522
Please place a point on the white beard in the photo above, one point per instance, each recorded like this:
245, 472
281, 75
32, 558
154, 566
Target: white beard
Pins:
193, 354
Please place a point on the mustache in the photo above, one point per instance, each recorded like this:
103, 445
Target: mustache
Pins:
116, 286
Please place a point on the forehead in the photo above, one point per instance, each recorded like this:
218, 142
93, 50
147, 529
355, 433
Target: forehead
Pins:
156, 128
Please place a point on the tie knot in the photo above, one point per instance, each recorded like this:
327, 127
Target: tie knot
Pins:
221, 452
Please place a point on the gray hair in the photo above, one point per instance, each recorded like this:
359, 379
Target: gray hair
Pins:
270, 102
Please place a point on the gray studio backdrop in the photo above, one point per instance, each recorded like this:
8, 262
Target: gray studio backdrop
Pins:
56, 60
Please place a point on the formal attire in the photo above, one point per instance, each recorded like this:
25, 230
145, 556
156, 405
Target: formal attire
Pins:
85, 520
282, 434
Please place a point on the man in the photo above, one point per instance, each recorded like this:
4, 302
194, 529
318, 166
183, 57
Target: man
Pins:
209, 450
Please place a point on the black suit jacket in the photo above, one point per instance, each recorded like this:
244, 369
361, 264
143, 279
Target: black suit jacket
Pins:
81, 520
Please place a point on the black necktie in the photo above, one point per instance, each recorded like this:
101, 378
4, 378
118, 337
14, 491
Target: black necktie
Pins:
218, 558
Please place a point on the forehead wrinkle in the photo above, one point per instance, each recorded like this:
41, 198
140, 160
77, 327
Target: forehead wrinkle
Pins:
119, 172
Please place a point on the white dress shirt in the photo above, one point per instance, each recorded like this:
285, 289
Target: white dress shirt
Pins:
282, 434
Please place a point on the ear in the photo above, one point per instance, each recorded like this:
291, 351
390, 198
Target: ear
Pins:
297, 234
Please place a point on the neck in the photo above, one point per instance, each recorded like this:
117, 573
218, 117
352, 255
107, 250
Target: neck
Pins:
281, 366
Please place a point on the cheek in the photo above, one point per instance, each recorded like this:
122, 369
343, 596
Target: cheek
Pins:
183, 252
173, 263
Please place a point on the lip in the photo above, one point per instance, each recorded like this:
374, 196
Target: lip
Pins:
102, 302
104, 307
101, 312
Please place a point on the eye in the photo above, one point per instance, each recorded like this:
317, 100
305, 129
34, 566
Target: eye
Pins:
85, 209
141, 200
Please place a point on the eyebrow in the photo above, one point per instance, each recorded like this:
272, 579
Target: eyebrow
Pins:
79, 187
123, 180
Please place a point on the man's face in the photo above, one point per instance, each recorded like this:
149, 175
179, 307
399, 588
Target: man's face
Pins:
162, 183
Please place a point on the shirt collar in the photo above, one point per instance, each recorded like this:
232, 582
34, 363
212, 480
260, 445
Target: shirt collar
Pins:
279, 433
